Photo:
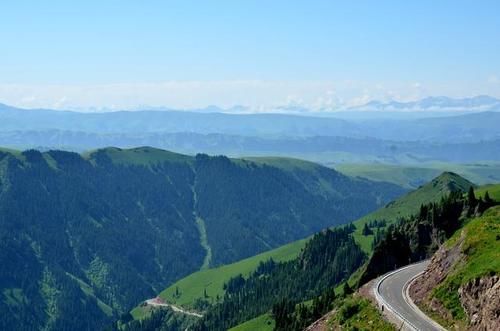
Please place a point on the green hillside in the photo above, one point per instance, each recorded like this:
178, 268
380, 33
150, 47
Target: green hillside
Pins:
481, 247
325, 260
410, 203
146, 156
108, 229
406, 176
412, 176
262, 323
211, 281
187, 291
493, 190
396, 249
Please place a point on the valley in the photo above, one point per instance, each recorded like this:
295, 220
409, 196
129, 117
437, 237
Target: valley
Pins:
249, 165
106, 201
111, 227
408, 205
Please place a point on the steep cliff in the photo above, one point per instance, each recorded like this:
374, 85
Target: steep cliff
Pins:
461, 286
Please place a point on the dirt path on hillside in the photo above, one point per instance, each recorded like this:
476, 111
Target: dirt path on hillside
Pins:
158, 302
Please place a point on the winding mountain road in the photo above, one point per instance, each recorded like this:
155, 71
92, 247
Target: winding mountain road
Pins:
391, 292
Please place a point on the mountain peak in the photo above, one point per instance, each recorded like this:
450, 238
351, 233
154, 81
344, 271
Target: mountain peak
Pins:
451, 182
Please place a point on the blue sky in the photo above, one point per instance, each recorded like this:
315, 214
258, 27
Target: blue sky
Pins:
258, 53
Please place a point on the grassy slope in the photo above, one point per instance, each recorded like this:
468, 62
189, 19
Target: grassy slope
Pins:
141, 312
284, 162
11, 151
262, 323
356, 313
410, 204
408, 177
412, 176
193, 286
482, 250
493, 190
140, 155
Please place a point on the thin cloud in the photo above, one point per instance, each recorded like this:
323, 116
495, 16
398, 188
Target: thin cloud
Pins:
256, 95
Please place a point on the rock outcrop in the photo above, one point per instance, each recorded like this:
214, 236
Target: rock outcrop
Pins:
480, 299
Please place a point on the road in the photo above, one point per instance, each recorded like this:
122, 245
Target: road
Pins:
390, 291
157, 302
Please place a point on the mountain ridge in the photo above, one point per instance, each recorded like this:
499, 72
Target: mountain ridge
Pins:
110, 228
432, 129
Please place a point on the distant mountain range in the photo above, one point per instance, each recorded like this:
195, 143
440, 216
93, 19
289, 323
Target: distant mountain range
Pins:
429, 104
324, 149
470, 127
440, 103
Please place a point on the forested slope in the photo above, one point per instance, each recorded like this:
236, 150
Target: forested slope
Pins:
83, 238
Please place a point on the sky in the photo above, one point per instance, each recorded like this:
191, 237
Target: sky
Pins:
190, 54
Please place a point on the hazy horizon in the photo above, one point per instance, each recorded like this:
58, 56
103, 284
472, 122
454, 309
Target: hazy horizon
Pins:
185, 55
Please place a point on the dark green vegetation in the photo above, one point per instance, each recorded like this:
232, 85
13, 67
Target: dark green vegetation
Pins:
250, 207
289, 316
85, 238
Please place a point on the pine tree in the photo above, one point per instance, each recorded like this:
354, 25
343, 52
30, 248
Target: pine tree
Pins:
471, 201
487, 199
346, 290
471, 198
366, 230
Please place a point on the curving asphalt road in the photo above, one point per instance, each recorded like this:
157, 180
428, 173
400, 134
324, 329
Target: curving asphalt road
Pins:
390, 291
